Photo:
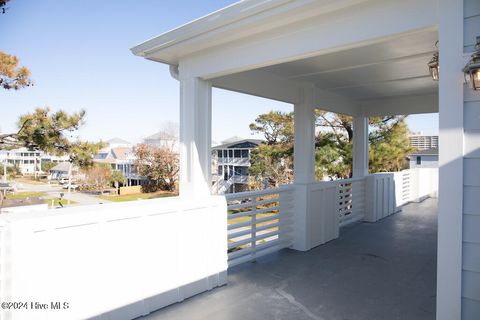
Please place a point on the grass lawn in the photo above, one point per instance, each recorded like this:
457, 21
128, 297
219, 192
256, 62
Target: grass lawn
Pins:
247, 218
24, 195
140, 196
56, 202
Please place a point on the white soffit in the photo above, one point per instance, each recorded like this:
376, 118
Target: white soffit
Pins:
393, 67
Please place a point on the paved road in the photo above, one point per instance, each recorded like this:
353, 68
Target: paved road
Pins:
53, 191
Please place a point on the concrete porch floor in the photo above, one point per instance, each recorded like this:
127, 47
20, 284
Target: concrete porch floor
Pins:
384, 270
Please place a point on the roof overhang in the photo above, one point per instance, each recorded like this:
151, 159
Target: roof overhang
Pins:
239, 20
362, 57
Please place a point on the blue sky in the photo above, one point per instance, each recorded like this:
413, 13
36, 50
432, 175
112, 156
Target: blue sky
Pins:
78, 53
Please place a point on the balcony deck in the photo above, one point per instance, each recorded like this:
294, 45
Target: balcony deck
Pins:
383, 270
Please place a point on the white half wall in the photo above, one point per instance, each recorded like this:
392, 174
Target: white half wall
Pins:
115, 261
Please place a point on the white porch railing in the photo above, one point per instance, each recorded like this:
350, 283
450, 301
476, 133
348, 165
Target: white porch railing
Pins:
234, 161
351, 196
259, 222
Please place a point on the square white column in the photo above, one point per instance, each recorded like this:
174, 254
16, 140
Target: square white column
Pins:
304, 168
195, 137
451, 151
304, 143
360, 146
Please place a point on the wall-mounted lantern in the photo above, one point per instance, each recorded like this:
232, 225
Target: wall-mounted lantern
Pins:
433, 66
472, 69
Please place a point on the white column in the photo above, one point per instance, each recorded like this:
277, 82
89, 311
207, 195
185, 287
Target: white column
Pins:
450, 200
360, 146
304, 145
195, 137
304, 168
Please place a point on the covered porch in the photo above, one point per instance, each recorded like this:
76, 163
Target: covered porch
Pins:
358, 58
362, 58
385, 270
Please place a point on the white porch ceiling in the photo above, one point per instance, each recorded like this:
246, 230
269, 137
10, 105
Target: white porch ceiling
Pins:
386, 76
394, 67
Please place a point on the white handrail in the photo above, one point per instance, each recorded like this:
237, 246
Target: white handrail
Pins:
259, 222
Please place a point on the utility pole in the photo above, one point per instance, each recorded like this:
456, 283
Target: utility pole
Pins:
70, 177
5, 171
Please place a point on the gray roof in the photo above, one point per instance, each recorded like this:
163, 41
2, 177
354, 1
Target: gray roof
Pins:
62, 166
230, 142
117, 140
161, 135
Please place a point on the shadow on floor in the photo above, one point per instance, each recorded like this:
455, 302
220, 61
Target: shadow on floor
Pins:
384, 270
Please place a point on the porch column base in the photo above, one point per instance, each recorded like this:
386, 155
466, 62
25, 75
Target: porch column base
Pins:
316, 217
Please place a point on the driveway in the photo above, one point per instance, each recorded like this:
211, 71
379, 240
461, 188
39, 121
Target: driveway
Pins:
53, 191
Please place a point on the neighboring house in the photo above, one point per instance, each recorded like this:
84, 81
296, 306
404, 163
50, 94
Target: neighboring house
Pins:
163, 140
119, 154
60, 171
422, 142
28, 161
118, 143
424, 159
231, 162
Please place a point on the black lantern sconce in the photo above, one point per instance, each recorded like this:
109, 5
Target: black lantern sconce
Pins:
472, 69
433, 66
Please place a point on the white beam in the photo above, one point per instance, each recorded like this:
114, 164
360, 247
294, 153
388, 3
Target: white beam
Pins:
450, 199
333, 102
261, 84
360, 146
427, 103
268, 85
195, 137
310, 37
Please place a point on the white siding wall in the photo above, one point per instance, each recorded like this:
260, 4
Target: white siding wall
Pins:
471, 201
428, 161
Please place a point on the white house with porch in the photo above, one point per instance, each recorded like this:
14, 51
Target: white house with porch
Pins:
358, 57
231, 163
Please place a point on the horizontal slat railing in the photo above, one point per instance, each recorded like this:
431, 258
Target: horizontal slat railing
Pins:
351, 200
259, 222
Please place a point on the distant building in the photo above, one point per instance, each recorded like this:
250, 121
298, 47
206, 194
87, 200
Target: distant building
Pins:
28, 161
163, 140
424, 159
422, 142
118, 143
119, 154
231, 163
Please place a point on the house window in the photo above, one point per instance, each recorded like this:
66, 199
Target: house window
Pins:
419, 160
244, 153
230, 153
237, 153
219, 152
225, 153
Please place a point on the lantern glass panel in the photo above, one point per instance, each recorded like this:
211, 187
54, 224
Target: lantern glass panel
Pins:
475, 79
434, 73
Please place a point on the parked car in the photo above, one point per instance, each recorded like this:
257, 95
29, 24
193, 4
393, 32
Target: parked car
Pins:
72, 186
